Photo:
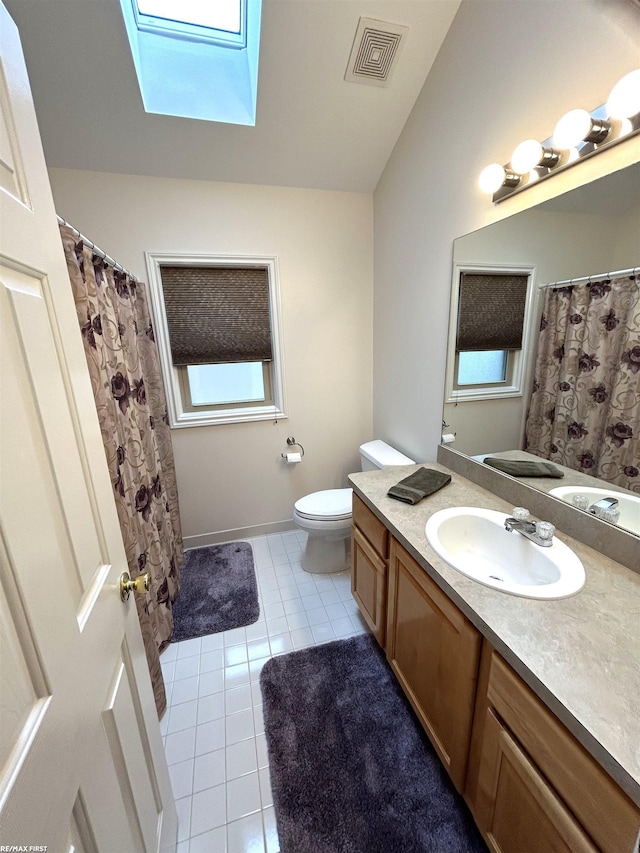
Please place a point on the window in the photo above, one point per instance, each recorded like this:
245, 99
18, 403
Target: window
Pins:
217, 323
486, 367
176, 44
222, 384
220, 18
489, 326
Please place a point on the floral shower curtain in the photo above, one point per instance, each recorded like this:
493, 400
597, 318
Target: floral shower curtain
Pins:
585, 406
122, 356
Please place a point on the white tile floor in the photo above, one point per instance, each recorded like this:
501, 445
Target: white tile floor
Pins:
213, 729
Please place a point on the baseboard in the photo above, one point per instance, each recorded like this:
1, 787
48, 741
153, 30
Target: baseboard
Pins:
215, 538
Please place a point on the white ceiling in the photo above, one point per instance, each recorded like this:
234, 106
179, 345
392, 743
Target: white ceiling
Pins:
313, 128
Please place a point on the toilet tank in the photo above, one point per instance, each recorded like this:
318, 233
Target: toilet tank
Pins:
379, 454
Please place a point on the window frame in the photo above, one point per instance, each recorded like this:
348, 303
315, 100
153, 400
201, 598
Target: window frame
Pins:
155, 24
518, 361
161, 47
179, 409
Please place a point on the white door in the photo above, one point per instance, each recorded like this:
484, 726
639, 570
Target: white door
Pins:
81, 761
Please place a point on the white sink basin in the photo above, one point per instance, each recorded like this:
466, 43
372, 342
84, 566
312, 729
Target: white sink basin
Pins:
474, 541
628, 504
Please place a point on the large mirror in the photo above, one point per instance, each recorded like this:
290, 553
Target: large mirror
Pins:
590, 230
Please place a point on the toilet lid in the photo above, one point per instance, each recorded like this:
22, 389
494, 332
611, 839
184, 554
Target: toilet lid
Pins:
331, 503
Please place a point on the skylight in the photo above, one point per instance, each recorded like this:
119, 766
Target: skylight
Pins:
196, 58
221, 15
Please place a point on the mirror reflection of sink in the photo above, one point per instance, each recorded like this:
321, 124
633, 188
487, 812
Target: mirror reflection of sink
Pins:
474, 542
628, 504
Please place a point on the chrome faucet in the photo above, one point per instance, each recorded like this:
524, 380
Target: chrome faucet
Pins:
539, 532
603, 505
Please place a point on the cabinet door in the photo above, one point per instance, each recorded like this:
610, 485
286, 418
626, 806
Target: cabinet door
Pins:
434, 651
603, 810
517, 809
369, 584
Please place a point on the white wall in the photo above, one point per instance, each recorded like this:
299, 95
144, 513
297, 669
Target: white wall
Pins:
627, 250
231, 476
506, 71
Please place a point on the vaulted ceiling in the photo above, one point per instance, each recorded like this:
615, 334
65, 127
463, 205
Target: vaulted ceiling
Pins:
313, 128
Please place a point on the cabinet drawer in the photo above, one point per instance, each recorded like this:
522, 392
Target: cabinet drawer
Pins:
371, 526
369, 584
600, 806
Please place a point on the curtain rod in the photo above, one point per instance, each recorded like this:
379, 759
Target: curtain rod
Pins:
96, 251
569, 281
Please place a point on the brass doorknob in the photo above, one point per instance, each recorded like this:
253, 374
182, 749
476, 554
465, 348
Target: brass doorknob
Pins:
141, 584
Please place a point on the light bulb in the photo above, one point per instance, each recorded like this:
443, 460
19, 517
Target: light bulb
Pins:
573, 128
495, 176
624, 100
530, 154
491, 178
526, 156
578, 126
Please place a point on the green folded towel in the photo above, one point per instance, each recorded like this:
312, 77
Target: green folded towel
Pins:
423, 482
524, 468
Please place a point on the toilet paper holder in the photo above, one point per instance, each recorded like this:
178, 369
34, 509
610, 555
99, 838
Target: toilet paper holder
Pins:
447, 437
293, 443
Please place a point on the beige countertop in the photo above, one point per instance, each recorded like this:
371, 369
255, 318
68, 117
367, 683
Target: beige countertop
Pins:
581, 655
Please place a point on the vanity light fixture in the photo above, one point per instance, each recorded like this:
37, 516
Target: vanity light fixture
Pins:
577, 135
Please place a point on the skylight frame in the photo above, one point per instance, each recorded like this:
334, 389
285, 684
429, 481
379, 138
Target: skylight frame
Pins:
171, 68
193, 32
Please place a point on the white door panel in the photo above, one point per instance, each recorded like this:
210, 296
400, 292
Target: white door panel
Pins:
81, 761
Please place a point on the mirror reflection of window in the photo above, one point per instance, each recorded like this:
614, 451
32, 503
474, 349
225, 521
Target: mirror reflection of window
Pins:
488, 367
489, 326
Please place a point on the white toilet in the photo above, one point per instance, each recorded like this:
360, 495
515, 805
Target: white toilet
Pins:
326, 515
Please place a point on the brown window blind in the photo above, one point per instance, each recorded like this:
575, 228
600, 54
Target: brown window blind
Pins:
491, 311
217, 315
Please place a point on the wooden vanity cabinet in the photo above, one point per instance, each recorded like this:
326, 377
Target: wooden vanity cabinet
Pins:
530, 784
369, 555
434, 652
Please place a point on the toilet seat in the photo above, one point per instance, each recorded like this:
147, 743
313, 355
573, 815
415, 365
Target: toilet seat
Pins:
329, 505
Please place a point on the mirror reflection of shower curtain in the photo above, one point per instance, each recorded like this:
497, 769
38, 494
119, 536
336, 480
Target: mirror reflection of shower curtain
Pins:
124, 366
585, 406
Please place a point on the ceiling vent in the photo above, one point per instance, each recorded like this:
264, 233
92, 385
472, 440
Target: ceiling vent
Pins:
375, 51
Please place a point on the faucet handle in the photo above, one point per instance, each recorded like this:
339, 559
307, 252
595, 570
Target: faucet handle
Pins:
545, 530
520, 513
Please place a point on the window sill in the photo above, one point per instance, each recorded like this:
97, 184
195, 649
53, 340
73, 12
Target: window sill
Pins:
226, 416
467, 396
